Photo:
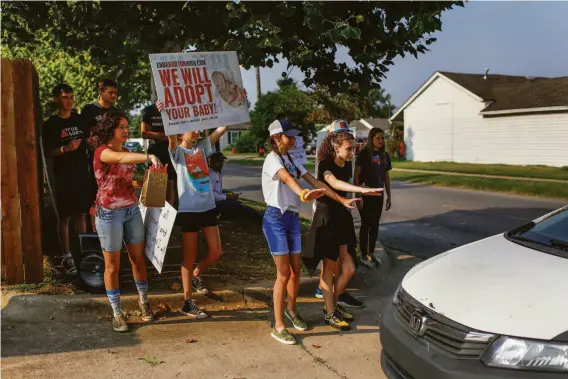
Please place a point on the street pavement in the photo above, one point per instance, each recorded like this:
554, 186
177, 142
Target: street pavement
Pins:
427, 220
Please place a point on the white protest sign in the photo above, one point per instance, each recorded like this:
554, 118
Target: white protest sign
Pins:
158, 224
297, 153
200, 90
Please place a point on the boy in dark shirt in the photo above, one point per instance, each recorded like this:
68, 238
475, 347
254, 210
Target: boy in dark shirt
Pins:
65, 139
92, 115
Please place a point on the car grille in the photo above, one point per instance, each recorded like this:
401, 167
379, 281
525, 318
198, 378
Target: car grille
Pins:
438, 331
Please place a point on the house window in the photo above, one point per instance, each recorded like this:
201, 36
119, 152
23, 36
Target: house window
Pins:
234, 136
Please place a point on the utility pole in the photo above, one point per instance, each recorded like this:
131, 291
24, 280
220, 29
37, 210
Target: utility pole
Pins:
258, 91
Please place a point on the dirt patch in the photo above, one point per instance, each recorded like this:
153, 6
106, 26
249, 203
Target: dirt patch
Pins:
246, 260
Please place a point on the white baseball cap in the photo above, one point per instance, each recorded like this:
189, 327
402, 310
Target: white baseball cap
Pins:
339, 126
283, 126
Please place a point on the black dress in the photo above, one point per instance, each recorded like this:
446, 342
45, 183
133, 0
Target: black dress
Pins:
332, 224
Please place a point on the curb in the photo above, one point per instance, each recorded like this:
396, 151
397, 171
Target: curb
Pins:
22, 307
28, 307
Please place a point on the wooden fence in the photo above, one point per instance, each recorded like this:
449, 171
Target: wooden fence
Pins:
21, 179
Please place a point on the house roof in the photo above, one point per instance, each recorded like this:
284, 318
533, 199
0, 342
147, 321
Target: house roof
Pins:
369, 123
514, 92
505, 93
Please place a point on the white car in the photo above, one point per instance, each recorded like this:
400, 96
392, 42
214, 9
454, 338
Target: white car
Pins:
496, 308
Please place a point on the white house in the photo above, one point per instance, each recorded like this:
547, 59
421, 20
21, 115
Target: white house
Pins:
233, 134
473, 118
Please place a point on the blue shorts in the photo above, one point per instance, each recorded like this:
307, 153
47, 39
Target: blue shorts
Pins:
114, 225
282, 231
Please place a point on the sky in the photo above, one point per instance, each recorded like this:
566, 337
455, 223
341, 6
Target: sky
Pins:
509, 37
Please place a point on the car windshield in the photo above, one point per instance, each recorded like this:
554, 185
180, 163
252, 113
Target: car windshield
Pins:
548, 234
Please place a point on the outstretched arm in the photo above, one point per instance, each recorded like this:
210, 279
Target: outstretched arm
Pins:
340, 185
289, 180
328, 191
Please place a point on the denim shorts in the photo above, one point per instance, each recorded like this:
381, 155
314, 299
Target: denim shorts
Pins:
282, 231
114, 225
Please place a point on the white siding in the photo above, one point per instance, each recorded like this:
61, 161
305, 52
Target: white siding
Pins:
444, 124
436, 118
528, 140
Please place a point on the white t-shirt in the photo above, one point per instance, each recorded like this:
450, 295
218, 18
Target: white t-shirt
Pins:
217, 183
276, 193
194, 189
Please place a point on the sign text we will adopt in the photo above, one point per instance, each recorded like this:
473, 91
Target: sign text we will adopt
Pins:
200, 90
188, 96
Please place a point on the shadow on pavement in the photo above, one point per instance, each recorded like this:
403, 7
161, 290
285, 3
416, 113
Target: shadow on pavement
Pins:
432, 235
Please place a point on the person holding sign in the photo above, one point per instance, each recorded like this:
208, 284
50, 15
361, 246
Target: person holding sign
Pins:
281, 225
196, 209
117, 215
332, 228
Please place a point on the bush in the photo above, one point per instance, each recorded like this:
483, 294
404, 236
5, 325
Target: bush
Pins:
246, 143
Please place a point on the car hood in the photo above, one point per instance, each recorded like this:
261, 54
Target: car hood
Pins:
496, 286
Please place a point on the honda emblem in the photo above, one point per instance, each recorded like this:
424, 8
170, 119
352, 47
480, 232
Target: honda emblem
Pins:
417, 323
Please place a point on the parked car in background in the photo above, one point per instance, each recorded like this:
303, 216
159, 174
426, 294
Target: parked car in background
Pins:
310, 148
134, 147
493, 309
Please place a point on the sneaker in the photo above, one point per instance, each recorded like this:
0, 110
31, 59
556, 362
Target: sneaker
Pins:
376, 260
197, 285
297, 321
335, 321
319, 293
69, 265
341, 312
191, 309
119, 324
349, 301
283, 336
147, 314
367, 261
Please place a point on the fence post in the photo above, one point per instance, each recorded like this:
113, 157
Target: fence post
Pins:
12, 265
21, 205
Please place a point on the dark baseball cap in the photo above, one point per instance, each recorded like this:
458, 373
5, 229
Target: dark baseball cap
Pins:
284, 127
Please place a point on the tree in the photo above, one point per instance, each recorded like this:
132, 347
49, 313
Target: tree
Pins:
80, 70
307, 34
351, 105
288, 102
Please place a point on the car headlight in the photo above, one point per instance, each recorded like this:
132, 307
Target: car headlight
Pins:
516, 353
395, 296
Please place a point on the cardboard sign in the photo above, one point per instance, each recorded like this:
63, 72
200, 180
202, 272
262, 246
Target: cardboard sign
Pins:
199, 90
298, 154
158, 225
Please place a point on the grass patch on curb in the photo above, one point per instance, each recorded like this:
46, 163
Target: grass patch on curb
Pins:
519, 187
54, 283
540, 172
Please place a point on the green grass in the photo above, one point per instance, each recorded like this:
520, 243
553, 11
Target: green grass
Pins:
542, 172
521, 187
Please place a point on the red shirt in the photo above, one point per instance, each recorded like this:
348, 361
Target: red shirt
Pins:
114, 181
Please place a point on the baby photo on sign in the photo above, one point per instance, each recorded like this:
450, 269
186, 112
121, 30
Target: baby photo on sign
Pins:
231, 93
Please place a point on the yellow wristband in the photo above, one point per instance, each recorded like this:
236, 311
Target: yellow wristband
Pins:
303, 194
